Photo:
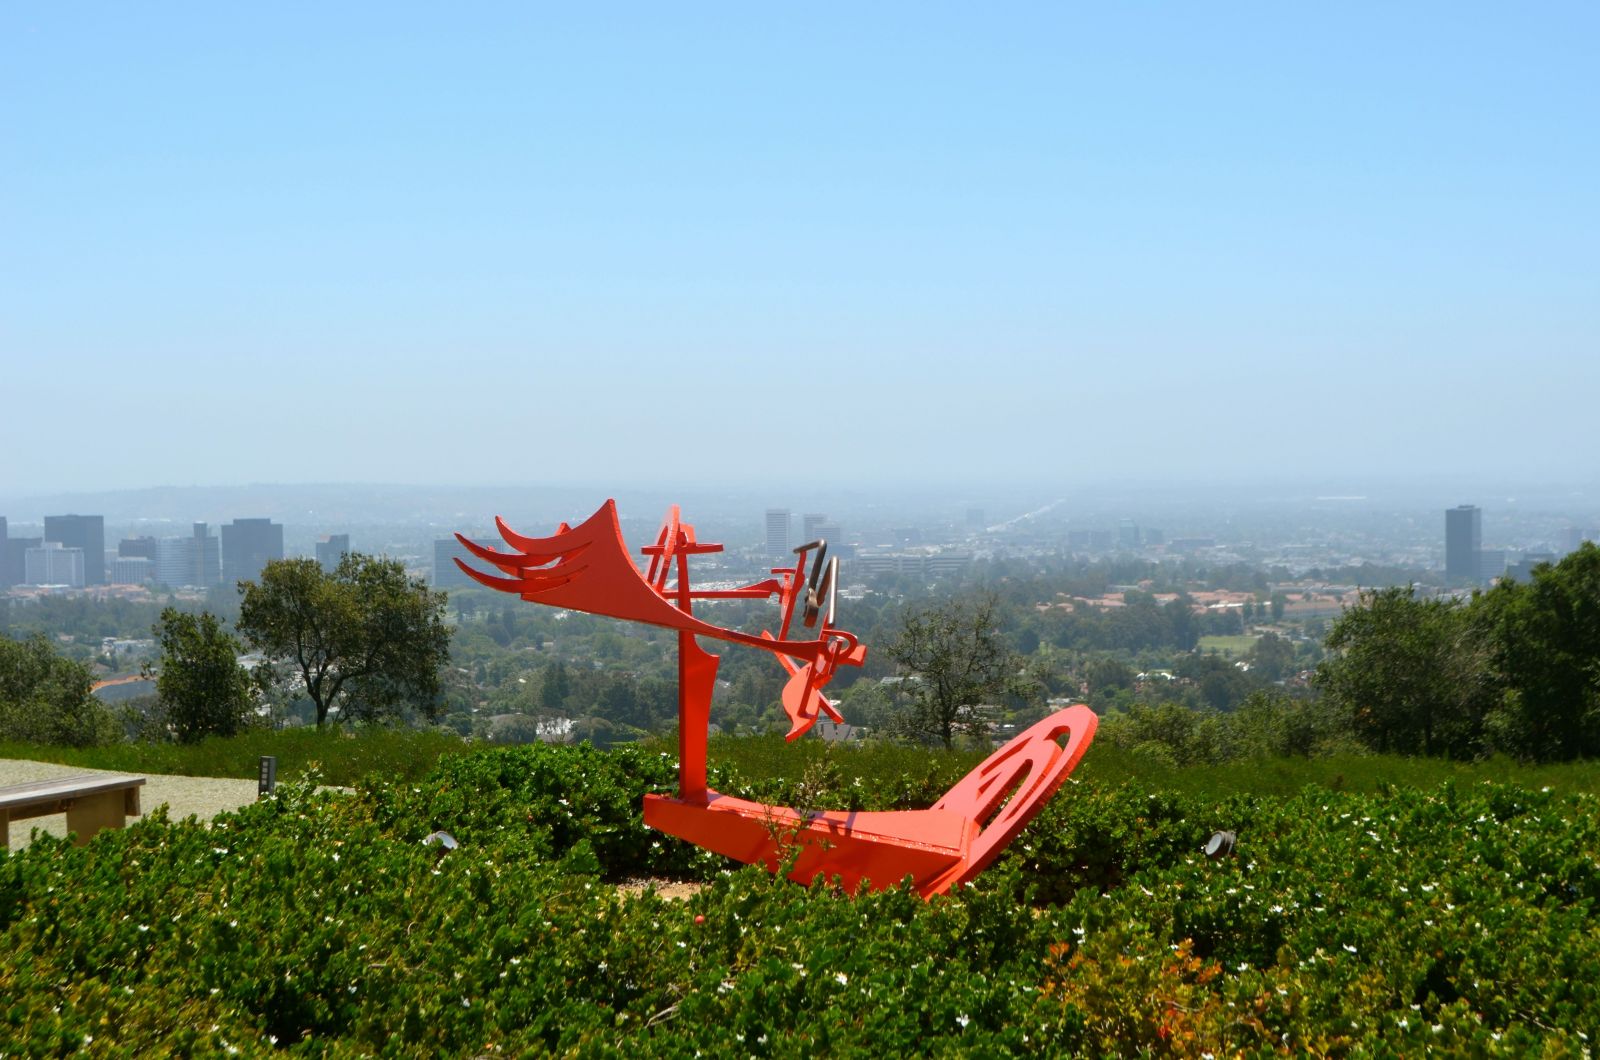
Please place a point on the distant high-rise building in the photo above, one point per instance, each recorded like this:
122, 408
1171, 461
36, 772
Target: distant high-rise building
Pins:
137, 547
1491, 563
446, 575
207, 555
189, 561
331, 549
174, 567
87, 532
1463, 538
809, 526
777, 531
248, 545
14, 556
1152, 536
132, 570
1128, 534
53, 563
192, 561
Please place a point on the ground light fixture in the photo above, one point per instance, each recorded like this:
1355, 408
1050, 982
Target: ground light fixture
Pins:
443, 840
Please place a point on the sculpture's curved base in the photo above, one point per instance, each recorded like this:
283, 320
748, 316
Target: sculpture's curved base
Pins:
879, 849
938, 848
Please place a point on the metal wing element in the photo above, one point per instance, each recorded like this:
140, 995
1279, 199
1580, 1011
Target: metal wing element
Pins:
587, 568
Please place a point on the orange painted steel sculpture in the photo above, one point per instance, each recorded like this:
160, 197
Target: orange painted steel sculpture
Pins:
587, 568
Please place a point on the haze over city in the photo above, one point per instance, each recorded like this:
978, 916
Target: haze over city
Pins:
930, 246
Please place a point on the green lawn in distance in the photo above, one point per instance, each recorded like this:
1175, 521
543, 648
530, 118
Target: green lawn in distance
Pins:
1233, 645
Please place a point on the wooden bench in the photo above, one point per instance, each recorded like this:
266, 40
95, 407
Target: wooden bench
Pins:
91, 801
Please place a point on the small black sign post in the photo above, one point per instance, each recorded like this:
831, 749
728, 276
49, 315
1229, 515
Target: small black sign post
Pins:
269, 776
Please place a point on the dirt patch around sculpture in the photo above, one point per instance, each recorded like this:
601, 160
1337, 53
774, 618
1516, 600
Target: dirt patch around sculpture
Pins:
671, 890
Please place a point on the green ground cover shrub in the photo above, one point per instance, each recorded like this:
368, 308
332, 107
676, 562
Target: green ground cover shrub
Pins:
1456, 918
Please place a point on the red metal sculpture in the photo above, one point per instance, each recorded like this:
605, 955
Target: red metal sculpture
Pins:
587, 568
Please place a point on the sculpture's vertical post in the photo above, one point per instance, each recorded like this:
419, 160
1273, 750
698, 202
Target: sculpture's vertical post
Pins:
697, 679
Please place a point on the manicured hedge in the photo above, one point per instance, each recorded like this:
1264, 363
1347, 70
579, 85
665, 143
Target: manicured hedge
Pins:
1458, 919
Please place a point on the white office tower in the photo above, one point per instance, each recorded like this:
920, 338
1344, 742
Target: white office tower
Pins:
777, 531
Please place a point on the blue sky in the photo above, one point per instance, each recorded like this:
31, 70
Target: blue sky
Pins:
904, 243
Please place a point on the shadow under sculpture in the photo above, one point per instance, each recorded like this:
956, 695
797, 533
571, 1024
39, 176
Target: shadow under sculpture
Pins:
588, 568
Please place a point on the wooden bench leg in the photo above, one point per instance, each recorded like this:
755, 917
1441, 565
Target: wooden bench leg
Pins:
5, 830
90, 813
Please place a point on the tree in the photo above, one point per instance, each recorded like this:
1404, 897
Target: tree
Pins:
1221, 684
365, 640
1180, 617
1272, 658
1107, 675
45, 698
200, 687
1411, 676
956, 662
1546, 646
554, 688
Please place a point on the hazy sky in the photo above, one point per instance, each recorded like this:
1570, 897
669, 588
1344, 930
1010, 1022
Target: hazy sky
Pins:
470, 243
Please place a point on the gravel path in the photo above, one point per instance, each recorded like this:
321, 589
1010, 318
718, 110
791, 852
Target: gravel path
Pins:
202, 797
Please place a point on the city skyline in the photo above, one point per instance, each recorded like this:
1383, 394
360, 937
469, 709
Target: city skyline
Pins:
925, 545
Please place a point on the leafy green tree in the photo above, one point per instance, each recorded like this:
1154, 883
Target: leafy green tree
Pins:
957, 662
1221, 684
1546, 648
601, 732
514, 729
201, 689
1412, 676
1181, 619
867, 703
1107, 675
1169, 732
1270, 723
45, 698
364, 639
554, 688
1272, 657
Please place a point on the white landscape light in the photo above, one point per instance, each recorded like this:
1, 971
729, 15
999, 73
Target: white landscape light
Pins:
443, 840
1221, 845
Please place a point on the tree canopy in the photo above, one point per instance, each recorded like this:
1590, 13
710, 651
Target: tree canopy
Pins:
364, 641
45, 698
1514, 670
200, 687
1545, 637
1408, 674
956, 662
